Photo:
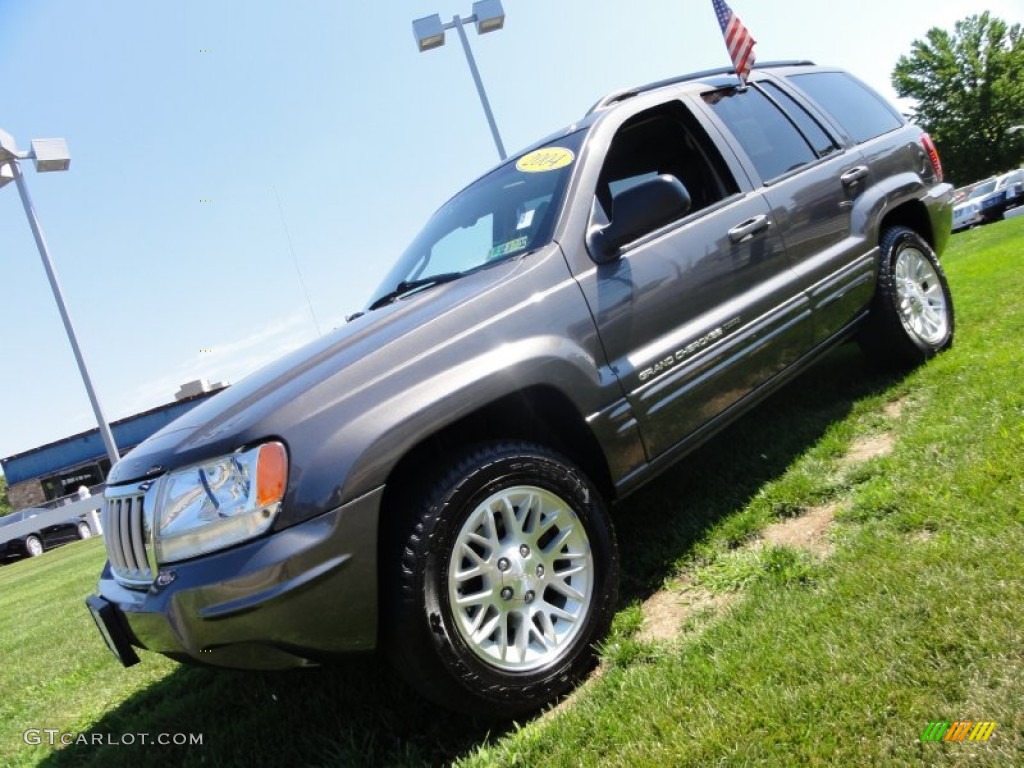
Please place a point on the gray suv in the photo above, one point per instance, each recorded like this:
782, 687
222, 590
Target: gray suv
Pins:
433, 478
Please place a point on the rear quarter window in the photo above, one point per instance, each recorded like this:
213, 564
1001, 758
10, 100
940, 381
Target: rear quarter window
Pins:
859, 110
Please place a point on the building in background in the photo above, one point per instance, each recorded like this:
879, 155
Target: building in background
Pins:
58, 469
197, 387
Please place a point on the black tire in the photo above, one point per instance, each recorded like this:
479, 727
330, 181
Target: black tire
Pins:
84, 531
911, 317
430, 641
33, 546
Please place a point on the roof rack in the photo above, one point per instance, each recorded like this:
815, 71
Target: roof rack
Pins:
627, 93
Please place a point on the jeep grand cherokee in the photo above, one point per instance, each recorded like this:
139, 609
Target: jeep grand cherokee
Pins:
433, 478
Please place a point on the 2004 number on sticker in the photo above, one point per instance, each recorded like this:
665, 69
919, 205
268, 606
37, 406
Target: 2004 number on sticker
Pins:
546, 159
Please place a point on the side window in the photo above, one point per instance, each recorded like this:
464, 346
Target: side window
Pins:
666, 139
821, 142
860, 111
769, 138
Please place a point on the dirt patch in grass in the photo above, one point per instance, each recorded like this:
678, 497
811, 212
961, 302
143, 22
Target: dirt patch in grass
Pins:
894, 409
665, 610
809, 531
864, 448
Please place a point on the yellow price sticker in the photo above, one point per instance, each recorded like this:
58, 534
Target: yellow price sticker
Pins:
547, 159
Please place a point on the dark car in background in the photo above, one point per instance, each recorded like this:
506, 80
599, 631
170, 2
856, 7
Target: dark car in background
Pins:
34, 542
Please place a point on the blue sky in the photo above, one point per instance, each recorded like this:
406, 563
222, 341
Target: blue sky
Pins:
325, 106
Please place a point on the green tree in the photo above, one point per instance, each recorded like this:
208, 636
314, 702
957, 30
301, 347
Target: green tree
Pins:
969, 92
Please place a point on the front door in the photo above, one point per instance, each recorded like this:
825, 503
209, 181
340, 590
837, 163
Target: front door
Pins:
697, 314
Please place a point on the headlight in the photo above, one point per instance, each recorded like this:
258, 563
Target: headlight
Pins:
220, 502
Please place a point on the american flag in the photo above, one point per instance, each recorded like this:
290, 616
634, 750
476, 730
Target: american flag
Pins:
737, 39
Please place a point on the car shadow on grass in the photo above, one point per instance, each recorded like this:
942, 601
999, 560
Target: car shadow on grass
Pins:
659, 525
355, 713
360, 713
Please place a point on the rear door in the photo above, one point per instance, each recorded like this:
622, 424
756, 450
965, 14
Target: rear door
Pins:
810, 182
893, 161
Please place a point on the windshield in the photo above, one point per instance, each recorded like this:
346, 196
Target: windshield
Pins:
983, 190
1010, 178
508, 212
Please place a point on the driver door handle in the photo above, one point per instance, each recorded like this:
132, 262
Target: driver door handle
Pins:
747, 229
854, 175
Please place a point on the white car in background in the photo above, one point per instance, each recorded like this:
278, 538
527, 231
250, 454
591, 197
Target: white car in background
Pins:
966, 212
985, 203
1013, 183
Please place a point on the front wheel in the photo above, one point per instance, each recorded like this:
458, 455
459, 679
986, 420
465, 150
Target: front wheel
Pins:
84, 531
507, 577
911, 318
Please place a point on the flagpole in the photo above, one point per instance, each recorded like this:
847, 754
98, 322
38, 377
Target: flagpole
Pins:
738, 40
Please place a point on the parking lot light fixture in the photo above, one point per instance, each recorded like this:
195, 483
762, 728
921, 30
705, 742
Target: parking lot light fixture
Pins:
489, 16
51, 155
8, 154
429, 32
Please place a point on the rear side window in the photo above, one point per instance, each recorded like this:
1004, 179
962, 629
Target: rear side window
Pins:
821, 142
860, 111
769, 138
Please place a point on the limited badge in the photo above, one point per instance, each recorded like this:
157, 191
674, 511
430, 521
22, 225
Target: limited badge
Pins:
547, 159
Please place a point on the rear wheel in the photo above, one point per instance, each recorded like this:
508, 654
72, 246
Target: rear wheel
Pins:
508, 574
911, 317
33, 546
84, 531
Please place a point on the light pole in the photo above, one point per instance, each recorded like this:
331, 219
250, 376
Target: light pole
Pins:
51, 155
489, 17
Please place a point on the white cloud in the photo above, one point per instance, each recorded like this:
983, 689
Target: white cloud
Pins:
227, 362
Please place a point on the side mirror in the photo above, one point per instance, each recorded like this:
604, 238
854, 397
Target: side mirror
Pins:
637, 211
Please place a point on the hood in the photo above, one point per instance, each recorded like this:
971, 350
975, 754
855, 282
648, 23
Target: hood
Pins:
358, 351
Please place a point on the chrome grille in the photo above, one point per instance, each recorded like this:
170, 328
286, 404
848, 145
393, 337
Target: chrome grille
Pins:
126, 530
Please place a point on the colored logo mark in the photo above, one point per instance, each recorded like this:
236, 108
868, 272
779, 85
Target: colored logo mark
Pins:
547, 159
959, 730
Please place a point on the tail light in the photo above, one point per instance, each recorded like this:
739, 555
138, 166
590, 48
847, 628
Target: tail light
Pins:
933, 154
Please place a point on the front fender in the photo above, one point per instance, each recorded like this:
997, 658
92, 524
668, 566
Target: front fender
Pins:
450, 395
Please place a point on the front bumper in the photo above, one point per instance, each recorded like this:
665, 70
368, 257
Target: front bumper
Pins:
292, 598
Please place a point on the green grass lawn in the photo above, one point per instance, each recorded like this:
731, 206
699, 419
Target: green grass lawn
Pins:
915, 617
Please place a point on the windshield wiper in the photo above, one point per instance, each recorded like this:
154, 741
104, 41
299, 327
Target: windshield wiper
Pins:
408, 286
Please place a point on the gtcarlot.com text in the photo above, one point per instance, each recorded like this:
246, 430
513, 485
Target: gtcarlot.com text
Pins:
56, 737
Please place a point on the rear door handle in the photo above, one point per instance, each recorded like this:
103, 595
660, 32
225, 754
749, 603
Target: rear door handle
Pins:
749, 228
854, 175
